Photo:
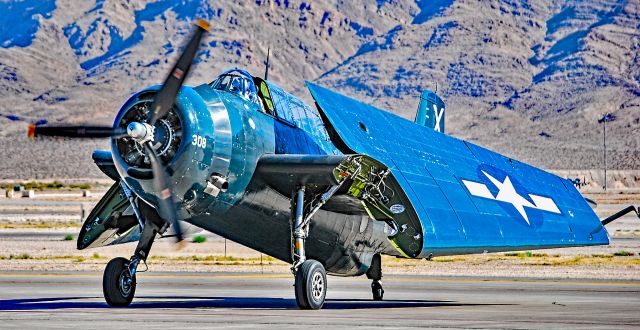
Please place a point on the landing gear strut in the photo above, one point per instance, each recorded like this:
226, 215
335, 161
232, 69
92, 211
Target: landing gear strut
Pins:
119, 279
375, 273
310, 275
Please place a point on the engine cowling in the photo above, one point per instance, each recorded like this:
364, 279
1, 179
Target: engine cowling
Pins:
193, 141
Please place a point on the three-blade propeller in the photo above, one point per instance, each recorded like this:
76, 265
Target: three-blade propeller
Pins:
161, 105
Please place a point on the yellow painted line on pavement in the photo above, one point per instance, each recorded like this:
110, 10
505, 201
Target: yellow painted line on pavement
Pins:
172, 276
514, 280
387, 278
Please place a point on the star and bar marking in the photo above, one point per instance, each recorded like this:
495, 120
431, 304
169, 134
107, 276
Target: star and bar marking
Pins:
508, 194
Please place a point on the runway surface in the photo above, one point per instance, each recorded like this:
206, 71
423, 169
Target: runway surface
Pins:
215, 300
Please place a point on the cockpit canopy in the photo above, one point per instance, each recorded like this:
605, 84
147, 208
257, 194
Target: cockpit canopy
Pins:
238, 82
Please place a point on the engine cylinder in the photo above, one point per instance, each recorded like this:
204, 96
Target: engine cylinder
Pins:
184, 140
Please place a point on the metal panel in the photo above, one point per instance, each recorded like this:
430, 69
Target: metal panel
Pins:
423, 160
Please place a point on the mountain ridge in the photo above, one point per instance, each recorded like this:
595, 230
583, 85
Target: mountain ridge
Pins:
527, 79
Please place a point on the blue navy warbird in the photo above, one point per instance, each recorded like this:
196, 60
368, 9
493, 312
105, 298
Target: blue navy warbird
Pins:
328, 188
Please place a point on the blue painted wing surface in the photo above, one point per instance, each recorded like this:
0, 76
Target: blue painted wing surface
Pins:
469, 199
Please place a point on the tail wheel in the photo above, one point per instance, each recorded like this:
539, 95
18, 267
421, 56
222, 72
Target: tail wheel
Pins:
311, 285
376, 289
118, 286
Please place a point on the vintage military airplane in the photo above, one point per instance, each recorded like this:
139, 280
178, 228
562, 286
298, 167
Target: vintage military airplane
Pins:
328, 188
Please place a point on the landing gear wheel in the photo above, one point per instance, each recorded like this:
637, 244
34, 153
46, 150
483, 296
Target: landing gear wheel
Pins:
376, 289
118, 286
311, 285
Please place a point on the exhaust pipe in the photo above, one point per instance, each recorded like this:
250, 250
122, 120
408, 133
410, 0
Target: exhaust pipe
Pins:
215, 185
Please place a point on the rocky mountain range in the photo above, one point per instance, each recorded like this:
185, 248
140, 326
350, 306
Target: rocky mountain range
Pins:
529, 79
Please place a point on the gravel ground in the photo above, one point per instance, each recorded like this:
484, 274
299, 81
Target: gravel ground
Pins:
40, 245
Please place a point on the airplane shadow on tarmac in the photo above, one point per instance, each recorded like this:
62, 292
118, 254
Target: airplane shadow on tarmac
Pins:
152, 302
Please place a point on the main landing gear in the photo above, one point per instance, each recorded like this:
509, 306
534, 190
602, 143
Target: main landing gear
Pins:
310, 275
119, 279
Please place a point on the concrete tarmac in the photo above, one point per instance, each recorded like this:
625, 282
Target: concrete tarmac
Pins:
218, 300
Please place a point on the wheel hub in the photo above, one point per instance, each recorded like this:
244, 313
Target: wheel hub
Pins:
124, 283
317, 286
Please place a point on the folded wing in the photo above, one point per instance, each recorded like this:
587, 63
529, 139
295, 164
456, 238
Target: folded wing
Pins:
468, 199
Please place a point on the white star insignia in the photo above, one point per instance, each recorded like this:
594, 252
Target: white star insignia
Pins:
508, 194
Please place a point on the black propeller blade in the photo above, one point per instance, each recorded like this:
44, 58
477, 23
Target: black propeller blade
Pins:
162, 103
76, 131
167, 95
166, 203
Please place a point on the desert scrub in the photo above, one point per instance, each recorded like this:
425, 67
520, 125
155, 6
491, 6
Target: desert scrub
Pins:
605, 256
527, 254
623, 254
55, 185
23, 256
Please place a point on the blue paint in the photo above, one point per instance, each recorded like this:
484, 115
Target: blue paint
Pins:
294, 141
430, 168
300, 122
430, 9
19, 21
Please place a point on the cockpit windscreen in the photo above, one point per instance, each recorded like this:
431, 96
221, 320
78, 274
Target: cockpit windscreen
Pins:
238, 83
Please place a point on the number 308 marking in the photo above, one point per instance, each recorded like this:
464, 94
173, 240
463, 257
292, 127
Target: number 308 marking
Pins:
199, 141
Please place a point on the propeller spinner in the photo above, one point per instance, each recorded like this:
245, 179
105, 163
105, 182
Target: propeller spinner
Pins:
143, 132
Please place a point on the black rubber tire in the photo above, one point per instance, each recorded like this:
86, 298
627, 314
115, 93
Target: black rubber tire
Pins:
113, 294
377, 290
311, 285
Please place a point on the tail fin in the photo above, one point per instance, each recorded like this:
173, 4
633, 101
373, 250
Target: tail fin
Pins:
431, 111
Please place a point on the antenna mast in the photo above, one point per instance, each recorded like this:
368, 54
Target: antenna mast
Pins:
266, 69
